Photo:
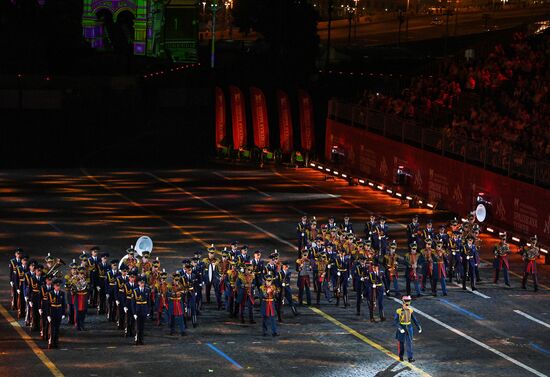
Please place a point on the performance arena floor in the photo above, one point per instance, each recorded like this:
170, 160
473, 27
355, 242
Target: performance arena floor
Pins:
63, 212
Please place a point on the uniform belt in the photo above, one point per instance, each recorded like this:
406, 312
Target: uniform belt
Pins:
82, 293
129, 297
342, 270
112, 284
141, 303
405, 323
36, 290
55, 305
268, 299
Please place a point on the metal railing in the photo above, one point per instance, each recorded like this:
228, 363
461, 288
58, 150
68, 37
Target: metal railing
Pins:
483, 154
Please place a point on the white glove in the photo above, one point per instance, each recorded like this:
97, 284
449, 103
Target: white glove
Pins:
107, 296
11, 282
63, 316
401, 331
30, 304
98, 289
19, 291
303, 234
454, 253
135, 316
148, 315
26, 299
49, 319
420, 330
374, 285
117, 302
284, 285
362, 279
468, 257
125, 309
338, 273
40, 311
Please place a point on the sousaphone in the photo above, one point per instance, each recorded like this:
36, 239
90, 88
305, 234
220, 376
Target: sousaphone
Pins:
144, 243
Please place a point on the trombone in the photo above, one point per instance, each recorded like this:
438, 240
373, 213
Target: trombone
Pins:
54, 270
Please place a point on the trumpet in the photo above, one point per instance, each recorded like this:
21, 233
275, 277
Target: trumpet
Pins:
54, 270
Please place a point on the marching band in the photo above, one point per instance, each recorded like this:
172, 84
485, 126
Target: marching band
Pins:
134, 289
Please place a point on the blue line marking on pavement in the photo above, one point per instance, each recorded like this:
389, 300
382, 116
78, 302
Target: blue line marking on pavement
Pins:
219, 352
539, 348
56, 227
462, 310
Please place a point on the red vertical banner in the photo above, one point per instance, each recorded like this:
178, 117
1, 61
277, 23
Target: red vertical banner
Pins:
306, 120
221, 126
238, 117
259, 118
285, 122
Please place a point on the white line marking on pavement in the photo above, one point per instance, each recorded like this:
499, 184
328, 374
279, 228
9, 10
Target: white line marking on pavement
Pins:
478, 342
268, 233
532, 318
259, 191
223, 176
474, 292
297, 210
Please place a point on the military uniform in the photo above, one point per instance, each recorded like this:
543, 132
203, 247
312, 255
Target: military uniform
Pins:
411, 270
245, 293
176, 306
404, 319
34, 283
413, 229
102, 269
439, 272
469, 256
301, 233
304, 278
530, 255
14, 263
376, 293
285, 292
55, 312
361, 273
19, 284
391, 271
268, 293
45, 289
340, 278
500, 263
323, 277
141, 302
121, 282
93, 274
212, 277
110, 290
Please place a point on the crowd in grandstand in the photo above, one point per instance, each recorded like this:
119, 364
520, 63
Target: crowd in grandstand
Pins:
503, 97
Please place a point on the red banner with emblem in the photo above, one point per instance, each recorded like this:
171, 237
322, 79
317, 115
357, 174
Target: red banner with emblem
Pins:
221, 126
285, 122
238, 117
516, 205
260, 123
306, 120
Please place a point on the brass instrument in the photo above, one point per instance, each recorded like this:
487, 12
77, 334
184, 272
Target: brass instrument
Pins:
81, 284
502, 250
54, 270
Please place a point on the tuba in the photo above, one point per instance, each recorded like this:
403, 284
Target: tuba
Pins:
144, 243
54, 270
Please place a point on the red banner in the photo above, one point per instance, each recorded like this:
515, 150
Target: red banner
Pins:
221, 127
285, 122
306, 120
238, 117
516, 205
260, 123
